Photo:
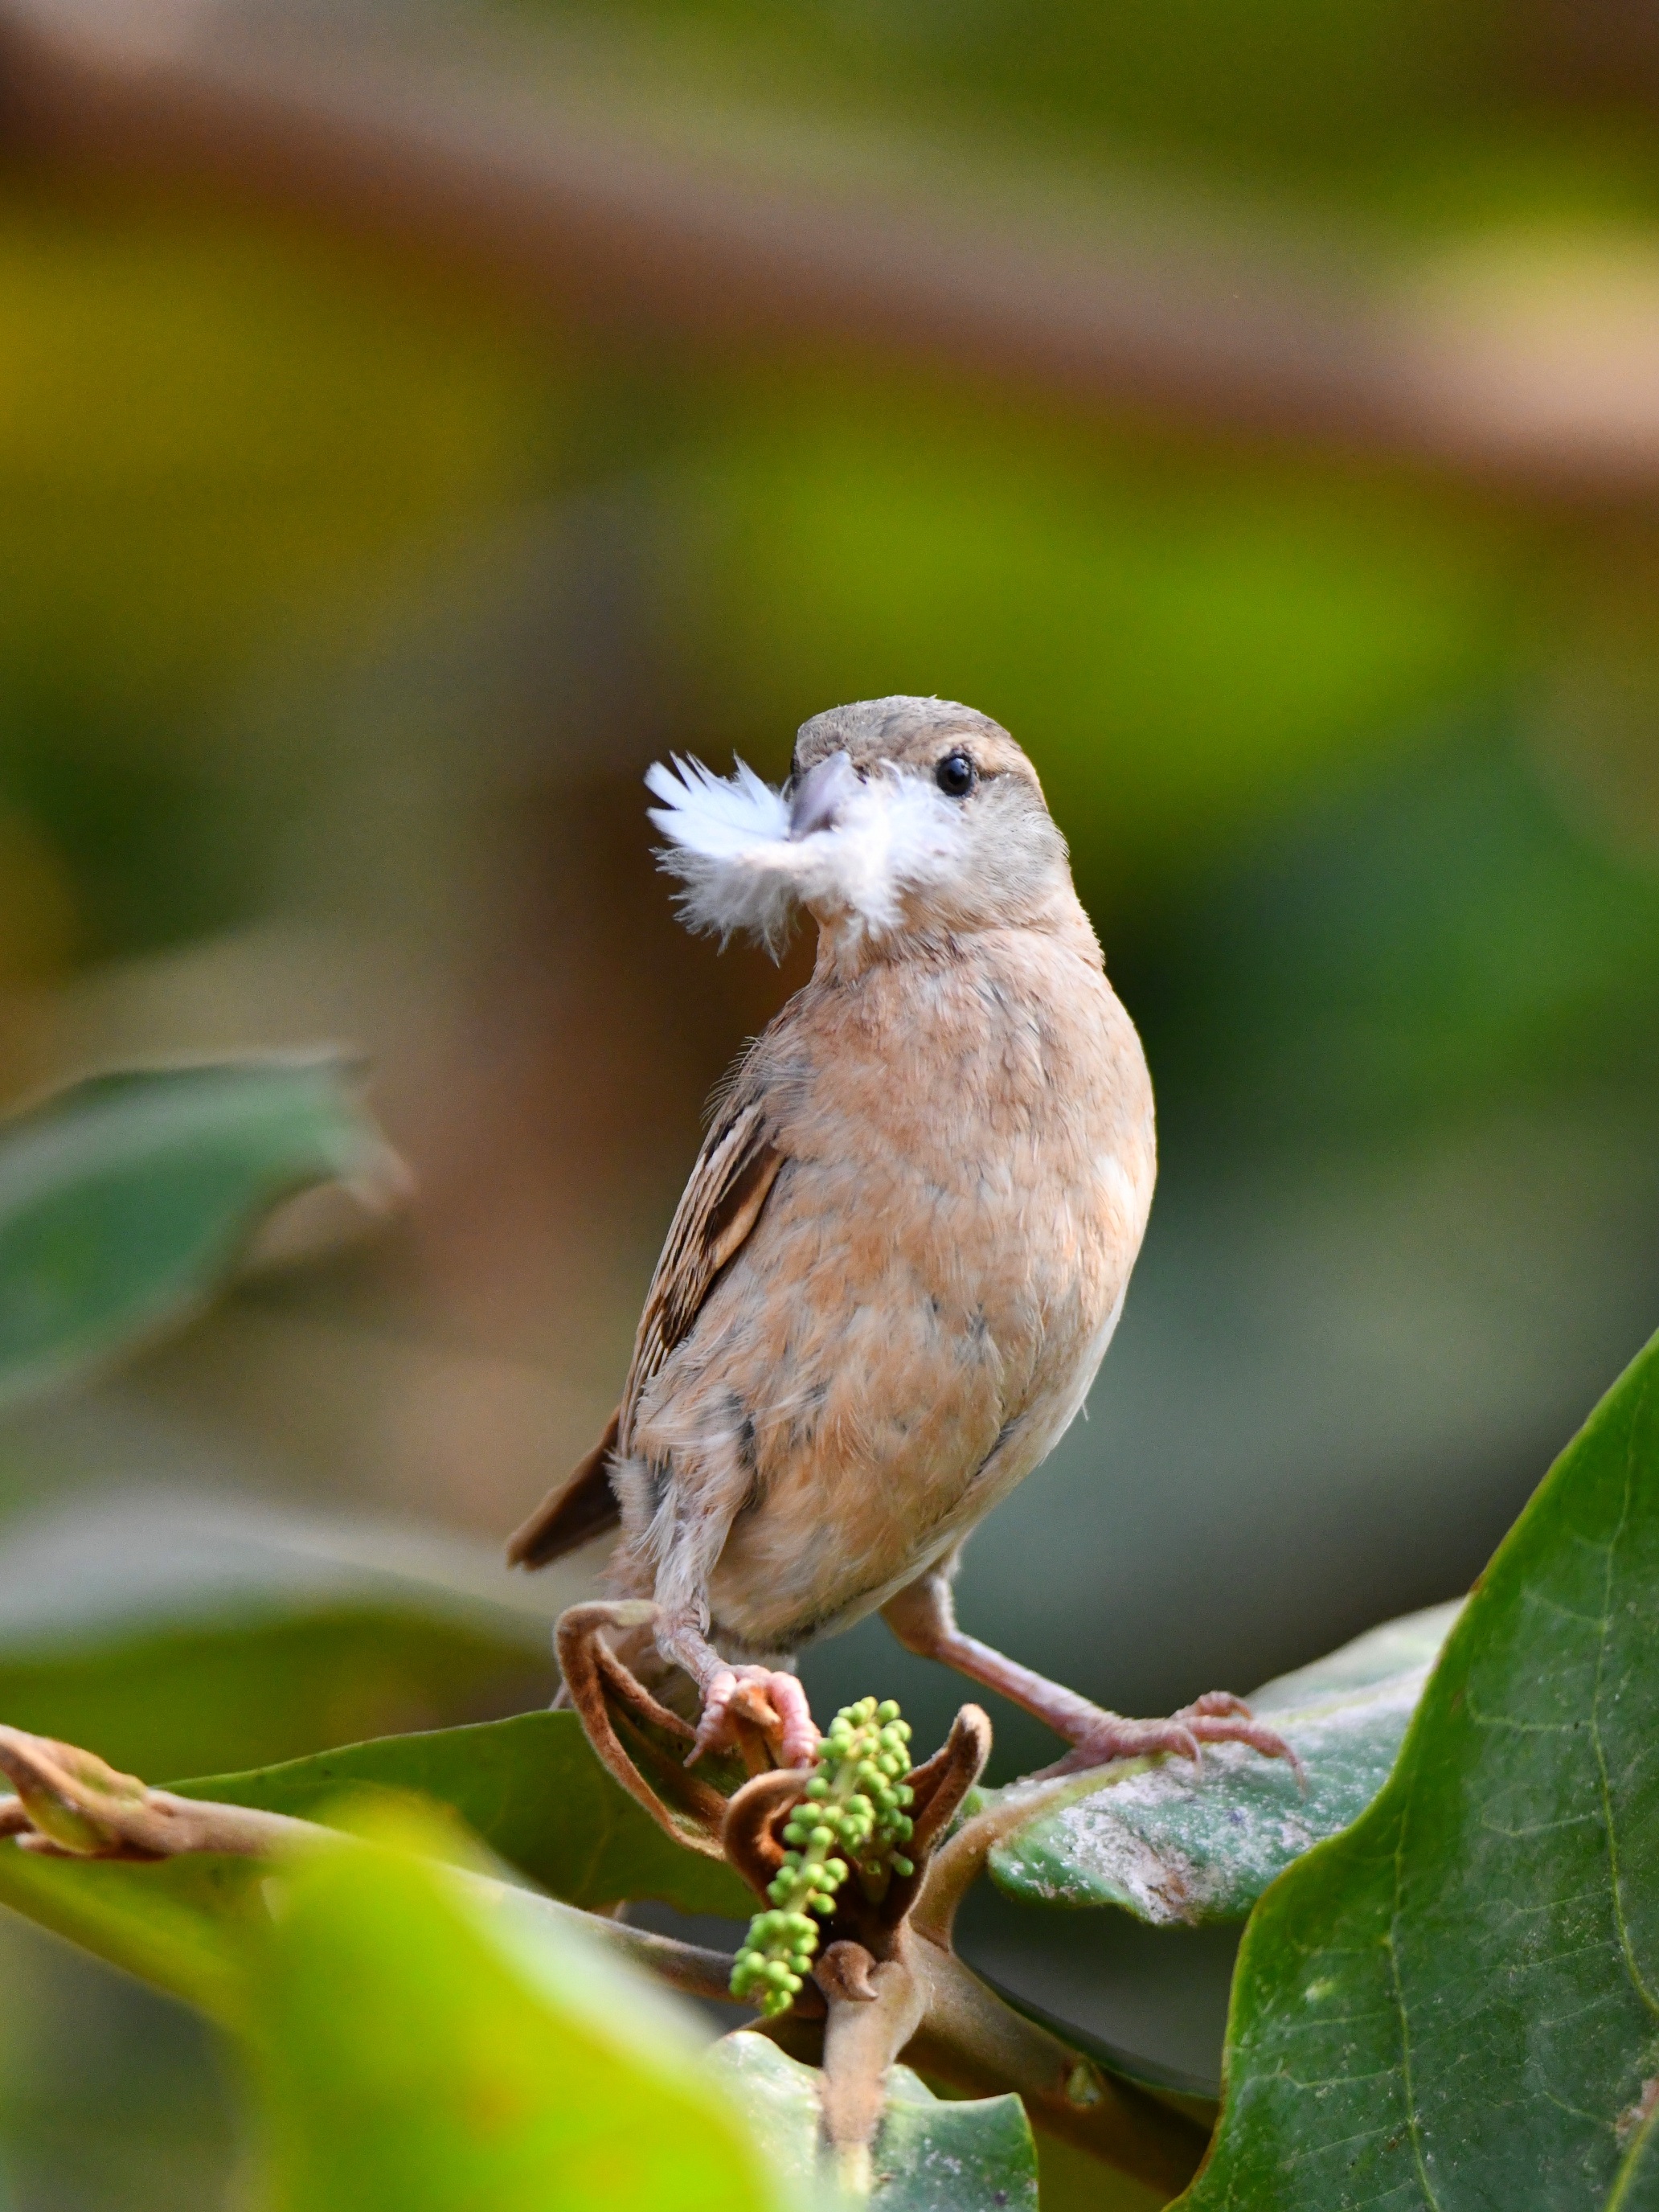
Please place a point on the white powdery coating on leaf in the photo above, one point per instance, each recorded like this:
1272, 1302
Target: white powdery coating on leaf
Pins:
731, 848
1106, 1833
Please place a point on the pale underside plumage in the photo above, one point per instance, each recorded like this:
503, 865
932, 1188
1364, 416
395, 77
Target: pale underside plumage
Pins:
893, 1274
893, 832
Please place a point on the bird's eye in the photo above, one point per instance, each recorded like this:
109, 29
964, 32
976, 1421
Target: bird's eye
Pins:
955, 775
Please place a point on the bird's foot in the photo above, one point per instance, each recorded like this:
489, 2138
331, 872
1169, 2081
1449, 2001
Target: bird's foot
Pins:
760, 1698
1216, 1717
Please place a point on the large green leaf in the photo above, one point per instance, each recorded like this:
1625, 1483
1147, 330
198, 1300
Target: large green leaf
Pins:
1456, 2002
417, 2047
931, 2155
530, 1787
180, 1633
124, 1198
1168, 1842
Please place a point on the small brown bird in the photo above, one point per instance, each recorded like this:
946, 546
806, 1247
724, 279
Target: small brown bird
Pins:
905, 1244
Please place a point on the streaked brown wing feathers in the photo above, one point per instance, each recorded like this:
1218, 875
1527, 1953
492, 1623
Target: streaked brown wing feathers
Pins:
722, 1204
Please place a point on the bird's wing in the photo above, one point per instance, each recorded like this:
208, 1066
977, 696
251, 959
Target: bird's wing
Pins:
735, 1169
722, 1201
576, 1509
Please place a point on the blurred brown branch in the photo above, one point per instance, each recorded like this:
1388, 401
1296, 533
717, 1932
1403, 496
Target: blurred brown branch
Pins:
581, 203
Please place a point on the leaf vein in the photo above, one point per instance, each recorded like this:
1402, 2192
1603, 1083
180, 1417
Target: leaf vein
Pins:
1414, 2121
1626, 1948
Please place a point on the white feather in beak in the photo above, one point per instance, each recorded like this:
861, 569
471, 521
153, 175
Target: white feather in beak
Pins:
854, 847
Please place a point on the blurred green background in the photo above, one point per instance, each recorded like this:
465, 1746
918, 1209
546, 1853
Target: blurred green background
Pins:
1255, 408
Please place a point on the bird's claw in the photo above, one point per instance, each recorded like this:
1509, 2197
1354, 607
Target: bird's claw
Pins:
1216, 1717
765, 1698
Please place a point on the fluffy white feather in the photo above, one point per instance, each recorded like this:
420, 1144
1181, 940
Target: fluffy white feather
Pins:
719, 816
730, 847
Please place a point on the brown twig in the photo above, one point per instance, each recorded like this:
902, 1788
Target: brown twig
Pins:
572, 200
875, 2009
969, 2037
71, 1805
953, 1871
609, 1700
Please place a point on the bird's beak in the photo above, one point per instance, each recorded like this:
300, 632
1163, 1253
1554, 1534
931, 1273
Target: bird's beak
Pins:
815, 800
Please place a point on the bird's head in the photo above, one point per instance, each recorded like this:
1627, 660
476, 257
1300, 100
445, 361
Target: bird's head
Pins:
900, 817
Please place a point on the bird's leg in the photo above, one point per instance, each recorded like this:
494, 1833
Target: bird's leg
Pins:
923, 1618
702, 1503
765, 1698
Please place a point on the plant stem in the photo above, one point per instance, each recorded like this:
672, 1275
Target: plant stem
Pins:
972, 2038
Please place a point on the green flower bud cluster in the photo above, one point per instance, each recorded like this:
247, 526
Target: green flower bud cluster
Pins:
853, 1816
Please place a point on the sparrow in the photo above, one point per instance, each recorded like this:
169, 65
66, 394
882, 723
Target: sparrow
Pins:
905, 1244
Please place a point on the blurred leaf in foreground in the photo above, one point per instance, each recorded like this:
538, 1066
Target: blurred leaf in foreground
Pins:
420, 2049
1455, 2003
424, 2037
170, 1925
1169, 1842
931, 2155
126, 1199
531, 1787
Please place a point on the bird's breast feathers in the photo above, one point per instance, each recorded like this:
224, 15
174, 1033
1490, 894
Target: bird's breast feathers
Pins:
967, 1162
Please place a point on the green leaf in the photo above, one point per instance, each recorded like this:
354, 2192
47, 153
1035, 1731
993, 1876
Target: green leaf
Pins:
169, 1924
939, 2155
1168, 1844
931, 2155
420, 2047
530, 1787
778, 2096
125, 1198
1456, 2002
178, 1633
